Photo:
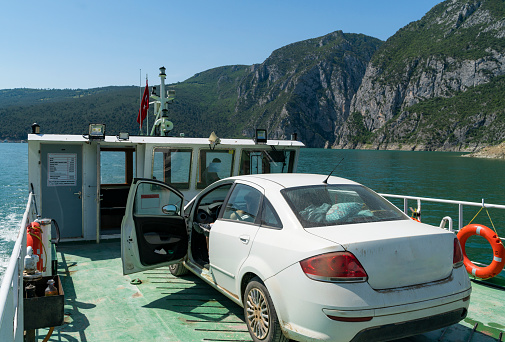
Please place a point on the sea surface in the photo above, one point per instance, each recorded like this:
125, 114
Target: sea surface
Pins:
428, 174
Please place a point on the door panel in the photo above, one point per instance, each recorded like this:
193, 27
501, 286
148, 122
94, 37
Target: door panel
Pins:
153, 231
232, 236
160, 239
230, 243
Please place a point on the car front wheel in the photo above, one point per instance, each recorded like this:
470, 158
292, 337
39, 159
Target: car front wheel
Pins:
178, 269
260, 315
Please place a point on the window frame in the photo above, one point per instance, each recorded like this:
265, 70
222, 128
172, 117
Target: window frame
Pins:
230, 194
243, 160
200, 184
264, 204
164, 150
311, 224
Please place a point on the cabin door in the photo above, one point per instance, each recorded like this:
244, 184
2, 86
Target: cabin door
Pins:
61, 185
115, 175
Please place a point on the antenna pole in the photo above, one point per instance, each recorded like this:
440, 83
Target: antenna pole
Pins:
326, 180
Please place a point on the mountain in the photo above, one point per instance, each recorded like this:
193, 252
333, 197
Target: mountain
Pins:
437, 84
305, 87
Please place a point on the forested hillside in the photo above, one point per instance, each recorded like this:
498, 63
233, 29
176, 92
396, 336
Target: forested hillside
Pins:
67, 111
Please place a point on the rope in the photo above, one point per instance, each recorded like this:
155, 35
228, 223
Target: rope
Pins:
489, 216
476, 215
49, 333
492, 224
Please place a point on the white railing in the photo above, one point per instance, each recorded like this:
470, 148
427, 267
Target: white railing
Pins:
11, 292
436, 200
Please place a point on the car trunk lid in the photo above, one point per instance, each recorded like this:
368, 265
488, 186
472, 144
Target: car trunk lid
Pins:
395, 253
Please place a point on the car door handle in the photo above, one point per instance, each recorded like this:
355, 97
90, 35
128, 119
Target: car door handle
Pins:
244, 239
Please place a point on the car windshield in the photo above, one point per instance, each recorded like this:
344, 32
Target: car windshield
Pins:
328, 205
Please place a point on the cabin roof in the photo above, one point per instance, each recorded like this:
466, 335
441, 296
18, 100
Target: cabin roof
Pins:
158, 140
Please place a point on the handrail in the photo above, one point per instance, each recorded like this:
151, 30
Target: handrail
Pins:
11, 291
437, 200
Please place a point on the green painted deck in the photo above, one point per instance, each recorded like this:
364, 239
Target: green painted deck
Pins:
102, 305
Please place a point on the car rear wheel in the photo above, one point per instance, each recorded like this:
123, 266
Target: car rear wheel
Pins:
178, 269
260, 315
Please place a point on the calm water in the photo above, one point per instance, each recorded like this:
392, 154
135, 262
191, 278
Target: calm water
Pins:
426, 174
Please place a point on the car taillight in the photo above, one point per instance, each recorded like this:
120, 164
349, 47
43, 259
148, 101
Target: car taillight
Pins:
457, 255
336, 266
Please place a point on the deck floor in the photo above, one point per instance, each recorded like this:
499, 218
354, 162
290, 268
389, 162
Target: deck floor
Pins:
102, 305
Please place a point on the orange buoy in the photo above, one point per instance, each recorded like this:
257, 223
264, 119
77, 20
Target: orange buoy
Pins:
498, 251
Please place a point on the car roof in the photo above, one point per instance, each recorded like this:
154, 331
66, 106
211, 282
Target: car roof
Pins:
289, 180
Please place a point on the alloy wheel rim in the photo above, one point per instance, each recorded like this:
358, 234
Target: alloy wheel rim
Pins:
258, 313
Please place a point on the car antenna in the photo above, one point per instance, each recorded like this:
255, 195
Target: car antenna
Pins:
326, 180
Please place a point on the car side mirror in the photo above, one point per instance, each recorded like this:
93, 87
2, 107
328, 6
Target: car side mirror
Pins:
169, 209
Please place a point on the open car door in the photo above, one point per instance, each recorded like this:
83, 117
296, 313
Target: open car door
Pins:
153, 230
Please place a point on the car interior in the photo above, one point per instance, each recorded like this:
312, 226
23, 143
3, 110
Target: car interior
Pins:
206, 213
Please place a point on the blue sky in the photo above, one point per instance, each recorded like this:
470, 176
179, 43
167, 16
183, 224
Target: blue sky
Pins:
90, 43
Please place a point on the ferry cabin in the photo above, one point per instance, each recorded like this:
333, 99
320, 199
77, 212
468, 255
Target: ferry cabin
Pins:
72, 186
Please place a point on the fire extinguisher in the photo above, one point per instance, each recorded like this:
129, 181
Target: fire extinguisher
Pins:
34, 239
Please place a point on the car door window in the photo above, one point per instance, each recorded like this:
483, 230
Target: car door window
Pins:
151, 198
243, 204
269, 217
209, 205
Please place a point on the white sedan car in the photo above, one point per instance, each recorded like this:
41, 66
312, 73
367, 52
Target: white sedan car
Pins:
307, 259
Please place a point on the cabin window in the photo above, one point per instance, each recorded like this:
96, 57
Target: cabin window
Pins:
266, 161
172, 166
116, 166
214, 165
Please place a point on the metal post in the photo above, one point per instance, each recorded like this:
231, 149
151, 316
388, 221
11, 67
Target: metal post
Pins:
460, 217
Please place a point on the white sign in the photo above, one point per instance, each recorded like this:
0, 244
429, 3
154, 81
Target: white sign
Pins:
62, 169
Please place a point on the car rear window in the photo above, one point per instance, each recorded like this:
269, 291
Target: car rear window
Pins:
328, 205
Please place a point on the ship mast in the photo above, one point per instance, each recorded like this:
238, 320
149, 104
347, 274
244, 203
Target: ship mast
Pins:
162, 126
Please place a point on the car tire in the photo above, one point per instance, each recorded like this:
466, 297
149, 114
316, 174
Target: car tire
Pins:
178, 269
260, 315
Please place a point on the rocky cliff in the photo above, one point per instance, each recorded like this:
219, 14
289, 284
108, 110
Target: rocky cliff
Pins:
305, 87
455, 48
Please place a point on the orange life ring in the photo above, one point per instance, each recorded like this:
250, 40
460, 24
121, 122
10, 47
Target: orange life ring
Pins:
498, 251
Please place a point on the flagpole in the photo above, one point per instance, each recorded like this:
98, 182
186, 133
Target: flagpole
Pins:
147, 116
140, 96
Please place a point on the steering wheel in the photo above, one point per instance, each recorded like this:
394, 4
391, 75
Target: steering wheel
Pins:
202, 216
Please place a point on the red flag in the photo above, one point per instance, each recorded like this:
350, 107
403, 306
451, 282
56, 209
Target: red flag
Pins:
144, 106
